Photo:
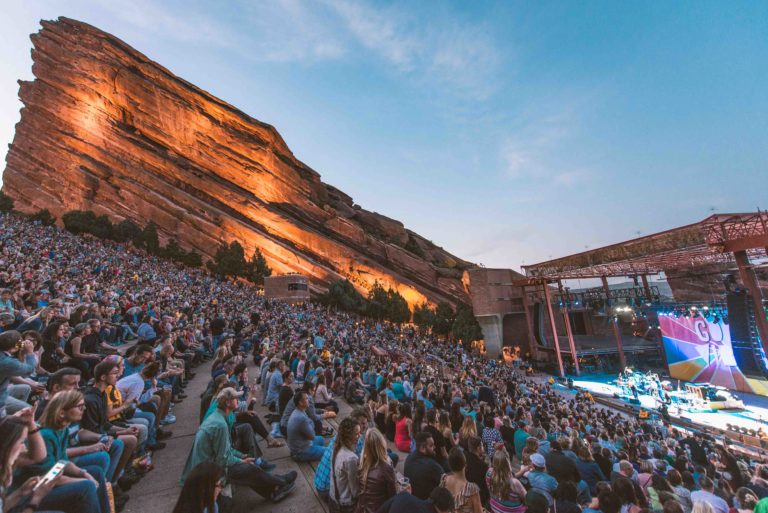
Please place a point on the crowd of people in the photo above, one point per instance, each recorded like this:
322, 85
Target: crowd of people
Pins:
98, 341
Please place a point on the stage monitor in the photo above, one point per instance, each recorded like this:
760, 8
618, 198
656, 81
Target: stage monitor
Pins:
700, 351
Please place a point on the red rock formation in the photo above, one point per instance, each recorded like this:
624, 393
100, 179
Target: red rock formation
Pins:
104, 128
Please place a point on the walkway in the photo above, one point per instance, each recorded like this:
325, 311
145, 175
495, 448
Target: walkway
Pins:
157, 493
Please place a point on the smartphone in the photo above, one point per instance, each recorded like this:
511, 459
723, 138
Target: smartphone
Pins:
57, 469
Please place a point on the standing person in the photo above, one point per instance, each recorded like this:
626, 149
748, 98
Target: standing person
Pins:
345, 483
507, 493
201, 489
377, 475
466, 494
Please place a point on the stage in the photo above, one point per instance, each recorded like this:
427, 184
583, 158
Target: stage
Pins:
753, 416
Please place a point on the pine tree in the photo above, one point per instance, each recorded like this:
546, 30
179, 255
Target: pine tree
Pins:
258, 269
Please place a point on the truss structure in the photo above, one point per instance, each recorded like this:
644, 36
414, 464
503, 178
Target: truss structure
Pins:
710, 241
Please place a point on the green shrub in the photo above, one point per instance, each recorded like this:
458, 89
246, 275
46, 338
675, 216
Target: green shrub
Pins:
44, 216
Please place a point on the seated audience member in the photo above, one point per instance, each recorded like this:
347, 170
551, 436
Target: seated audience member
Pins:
421, 468
345, 483
507, 493
213, 443
22, 445
538, 478
707, 495
377, 475
466, 494
303, 443
322, 479
13, 397
477, 467
201, 489
439, 501
62, 410
95, 421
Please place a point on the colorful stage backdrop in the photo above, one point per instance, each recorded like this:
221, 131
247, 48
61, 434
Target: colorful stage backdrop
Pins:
699, 351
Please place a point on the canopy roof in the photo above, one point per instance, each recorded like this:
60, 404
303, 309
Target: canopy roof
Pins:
709, 241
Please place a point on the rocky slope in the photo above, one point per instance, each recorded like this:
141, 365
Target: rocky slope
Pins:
104, 128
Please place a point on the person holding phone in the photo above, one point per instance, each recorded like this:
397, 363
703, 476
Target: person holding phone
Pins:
63, 409
31, 495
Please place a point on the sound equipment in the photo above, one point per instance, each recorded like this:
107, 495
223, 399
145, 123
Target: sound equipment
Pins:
745, 341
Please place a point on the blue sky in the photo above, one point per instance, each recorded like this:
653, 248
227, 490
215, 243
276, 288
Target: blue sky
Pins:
505, 132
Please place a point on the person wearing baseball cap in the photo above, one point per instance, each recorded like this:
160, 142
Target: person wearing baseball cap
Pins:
213, 442
538, 477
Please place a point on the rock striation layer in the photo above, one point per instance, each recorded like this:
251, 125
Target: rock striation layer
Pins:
104, 128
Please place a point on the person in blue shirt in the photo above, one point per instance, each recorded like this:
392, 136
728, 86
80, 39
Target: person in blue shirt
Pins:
137, 359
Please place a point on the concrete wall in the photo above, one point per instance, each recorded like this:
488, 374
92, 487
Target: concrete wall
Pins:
287, 287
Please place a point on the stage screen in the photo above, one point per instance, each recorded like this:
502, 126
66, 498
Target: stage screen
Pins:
699, 351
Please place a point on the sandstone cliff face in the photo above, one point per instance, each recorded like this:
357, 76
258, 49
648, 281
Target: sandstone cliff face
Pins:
104, 128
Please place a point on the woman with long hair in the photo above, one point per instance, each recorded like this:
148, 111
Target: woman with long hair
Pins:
201, 489
658, 491
344, 484
77, 497
683, 493
323, 398
444, 424
419, 416
65, 408
391, 421
507, 492
468, 430
13, 434
380, 411
403, 427
53, 356
377, 475
73, 349
465, 493
625, 491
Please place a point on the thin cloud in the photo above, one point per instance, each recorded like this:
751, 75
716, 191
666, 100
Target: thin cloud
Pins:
446, 54
153, 15
542, 151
